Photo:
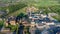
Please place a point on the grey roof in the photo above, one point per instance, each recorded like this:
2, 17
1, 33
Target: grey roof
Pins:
43, 20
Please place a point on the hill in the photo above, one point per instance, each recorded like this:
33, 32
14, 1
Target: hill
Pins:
53, 5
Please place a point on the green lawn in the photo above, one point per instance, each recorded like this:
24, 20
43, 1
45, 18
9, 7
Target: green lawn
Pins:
17, 12
57, 18
36, 3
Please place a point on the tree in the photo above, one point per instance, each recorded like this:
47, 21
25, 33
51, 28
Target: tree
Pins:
19, 17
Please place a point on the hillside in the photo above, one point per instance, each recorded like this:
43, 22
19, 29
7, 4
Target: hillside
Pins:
53, 5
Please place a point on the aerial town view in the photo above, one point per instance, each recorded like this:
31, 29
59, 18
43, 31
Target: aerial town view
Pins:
29, 16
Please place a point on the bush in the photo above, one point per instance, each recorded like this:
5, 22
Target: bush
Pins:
1, 23
12, 27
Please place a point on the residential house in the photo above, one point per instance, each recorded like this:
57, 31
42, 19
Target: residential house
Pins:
11, 21
40, 25
47, 21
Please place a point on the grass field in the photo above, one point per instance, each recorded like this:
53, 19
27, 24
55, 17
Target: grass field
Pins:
36, 3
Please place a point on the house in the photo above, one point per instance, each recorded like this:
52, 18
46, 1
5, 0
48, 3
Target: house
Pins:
47, 21
6, 23
43, 16
25, 23
30, 10
50, 23
40, 25
32, 24
11, 21
32, 30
